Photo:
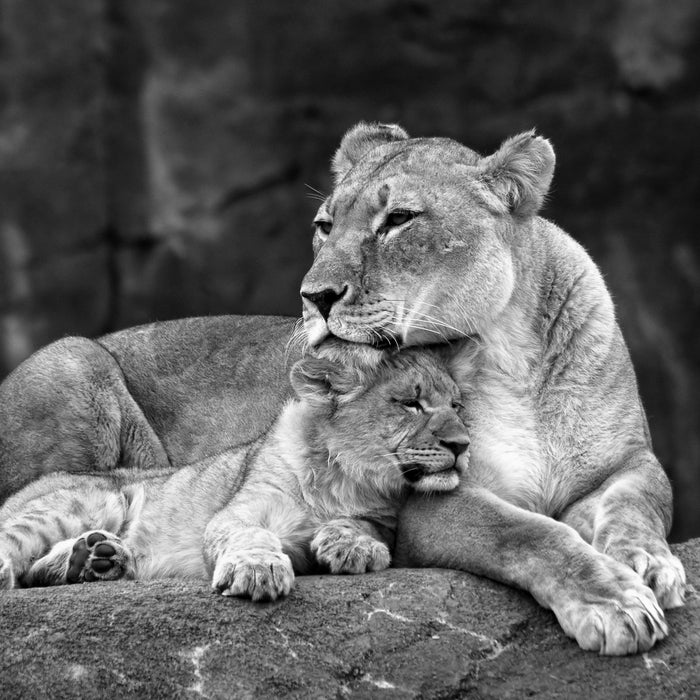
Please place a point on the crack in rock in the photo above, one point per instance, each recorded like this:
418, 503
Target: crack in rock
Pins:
383, 684
195, 656
379, 683
285, 640
77, 672
651, 664
496, 647
389, 613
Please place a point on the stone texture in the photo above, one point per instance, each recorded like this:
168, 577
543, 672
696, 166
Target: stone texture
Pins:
399, 634
155, 156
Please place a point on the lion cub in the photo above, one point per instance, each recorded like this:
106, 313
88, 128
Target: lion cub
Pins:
322, 488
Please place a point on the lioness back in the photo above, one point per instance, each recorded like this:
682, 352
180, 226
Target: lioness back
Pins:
166, 394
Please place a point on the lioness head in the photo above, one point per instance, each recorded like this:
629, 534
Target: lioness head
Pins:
416, 242
395, 424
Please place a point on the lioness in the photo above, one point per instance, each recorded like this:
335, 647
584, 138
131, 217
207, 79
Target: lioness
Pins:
421, 241
323, 487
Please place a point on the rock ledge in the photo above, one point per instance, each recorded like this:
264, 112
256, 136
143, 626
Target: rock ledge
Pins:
404, 633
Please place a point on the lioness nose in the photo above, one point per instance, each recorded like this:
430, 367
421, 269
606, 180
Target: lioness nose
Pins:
457, 448
325, 299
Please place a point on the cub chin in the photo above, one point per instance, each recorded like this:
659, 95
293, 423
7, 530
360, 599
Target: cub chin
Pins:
321, 490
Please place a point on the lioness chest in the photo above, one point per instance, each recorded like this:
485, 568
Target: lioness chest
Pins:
510, 454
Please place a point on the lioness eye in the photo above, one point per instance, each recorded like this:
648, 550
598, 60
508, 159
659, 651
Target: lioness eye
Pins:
398, 218
323, 226
457, 406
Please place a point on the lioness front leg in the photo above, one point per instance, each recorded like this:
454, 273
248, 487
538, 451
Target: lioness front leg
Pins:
628, 518
598, 601
350, 546
245, 558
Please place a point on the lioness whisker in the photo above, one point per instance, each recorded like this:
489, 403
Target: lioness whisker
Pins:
434, 322
432, 319
471, 328
396, 342
422, 302
314, 190
434, 328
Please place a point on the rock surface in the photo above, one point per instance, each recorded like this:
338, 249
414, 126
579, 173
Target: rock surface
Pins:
154, 156
399, 634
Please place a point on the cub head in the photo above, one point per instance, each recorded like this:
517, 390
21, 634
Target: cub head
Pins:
392, 425
416, 243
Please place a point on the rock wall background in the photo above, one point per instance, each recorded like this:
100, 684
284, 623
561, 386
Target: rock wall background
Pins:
155, 156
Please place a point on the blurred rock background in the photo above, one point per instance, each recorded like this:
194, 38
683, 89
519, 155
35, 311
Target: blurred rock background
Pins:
155, 156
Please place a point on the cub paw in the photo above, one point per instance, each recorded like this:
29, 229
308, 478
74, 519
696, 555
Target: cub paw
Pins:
98, 555
614, 616
345, 551
661, 571
256, 574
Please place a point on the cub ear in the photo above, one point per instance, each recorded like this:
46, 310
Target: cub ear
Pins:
519, 173
361, 139
320, 381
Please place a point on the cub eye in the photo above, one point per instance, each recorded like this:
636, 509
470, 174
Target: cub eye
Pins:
399, 218
457, 406
413, 405
323, 227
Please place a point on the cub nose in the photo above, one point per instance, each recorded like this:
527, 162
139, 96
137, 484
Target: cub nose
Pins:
324, 299
457, 448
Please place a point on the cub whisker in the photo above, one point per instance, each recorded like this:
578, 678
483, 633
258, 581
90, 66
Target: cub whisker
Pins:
297, 340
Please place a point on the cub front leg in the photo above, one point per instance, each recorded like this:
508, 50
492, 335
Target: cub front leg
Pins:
259, 574
598, 601
245, 558
350, 546
628, 518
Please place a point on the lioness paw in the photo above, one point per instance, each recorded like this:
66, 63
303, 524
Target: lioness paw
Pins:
256, 574
627, 626
346, 551
661, 571
614, 615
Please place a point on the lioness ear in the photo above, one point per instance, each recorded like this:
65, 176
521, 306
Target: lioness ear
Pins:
362, 138
321, 381
519, 173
